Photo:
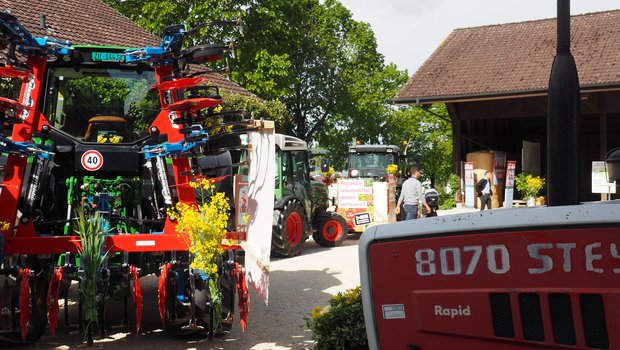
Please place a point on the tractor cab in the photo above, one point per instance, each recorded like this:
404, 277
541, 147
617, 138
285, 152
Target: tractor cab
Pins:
371, 161
292, 177
319, 162
94, 97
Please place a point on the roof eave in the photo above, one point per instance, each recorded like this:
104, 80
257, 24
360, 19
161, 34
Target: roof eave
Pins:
497, 95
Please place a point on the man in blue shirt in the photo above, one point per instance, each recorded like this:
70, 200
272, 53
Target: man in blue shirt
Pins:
411, 195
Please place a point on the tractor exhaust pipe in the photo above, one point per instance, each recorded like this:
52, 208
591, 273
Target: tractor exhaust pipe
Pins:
563, 119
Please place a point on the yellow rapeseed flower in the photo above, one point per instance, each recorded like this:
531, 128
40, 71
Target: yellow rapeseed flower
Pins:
317, 312
205, 225
329, 172
392, 169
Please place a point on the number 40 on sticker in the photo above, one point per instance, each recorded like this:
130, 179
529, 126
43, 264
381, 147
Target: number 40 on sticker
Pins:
92, 160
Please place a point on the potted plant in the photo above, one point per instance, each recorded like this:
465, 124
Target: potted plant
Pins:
529, 186
341, 325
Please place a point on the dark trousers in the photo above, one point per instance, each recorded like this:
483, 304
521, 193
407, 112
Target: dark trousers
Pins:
485, 199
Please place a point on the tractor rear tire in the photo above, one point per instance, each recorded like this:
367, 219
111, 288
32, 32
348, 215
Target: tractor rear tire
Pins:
289, 231
331, 230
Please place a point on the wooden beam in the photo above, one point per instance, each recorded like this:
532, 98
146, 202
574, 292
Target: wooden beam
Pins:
456, 138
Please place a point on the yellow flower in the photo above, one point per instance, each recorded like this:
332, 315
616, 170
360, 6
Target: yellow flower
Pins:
392, 169
4, 225
329, 172
205, 226
101, 139
316, 312
529, 185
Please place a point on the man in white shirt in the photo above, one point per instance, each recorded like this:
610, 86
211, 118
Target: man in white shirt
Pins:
411, 195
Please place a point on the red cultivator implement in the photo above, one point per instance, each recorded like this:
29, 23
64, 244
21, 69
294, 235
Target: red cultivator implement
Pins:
119, 133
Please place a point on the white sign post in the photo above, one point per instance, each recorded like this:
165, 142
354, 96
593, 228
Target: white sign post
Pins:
469, 185
510, 183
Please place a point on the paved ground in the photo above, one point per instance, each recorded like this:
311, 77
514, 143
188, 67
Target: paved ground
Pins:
296, 286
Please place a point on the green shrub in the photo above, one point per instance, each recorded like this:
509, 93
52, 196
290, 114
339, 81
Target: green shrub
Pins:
448, 203
446, 200
341, 324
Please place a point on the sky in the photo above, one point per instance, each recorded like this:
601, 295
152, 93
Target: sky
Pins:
408, 31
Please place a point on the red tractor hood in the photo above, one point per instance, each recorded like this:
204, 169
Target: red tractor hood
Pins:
519, 278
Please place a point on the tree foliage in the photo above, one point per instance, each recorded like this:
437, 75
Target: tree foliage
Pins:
309, 54
322, 67
428, 137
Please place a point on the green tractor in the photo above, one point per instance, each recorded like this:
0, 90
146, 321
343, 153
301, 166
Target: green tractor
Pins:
301, 203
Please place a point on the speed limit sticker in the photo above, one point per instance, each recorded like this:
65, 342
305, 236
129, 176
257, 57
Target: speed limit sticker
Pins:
92, 160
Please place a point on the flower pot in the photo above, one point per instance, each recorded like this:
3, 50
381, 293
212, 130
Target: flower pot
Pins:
531, 201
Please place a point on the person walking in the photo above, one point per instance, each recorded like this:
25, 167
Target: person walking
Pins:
483, 187
411, 195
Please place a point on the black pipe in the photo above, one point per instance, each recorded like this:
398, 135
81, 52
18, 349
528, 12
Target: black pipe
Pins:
563, 119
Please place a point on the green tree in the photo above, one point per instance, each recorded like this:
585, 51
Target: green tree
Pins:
372, 119
428, 133
154, 15
321, 63
318, 63
308, 54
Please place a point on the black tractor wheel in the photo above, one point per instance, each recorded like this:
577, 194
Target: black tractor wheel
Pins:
331, 230
289, 231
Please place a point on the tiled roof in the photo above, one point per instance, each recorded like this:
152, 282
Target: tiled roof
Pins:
90, 22
224, 83
515, 58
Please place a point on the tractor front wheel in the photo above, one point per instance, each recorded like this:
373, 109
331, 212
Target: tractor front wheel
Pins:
289, 231
331, 230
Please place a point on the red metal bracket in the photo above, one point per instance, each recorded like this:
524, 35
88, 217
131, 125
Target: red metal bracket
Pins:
162, 292
24, 303
182, 83
243, 296
146, 243
7, 103
52, 300
41, 245
137, 295
12, 72
193, 105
